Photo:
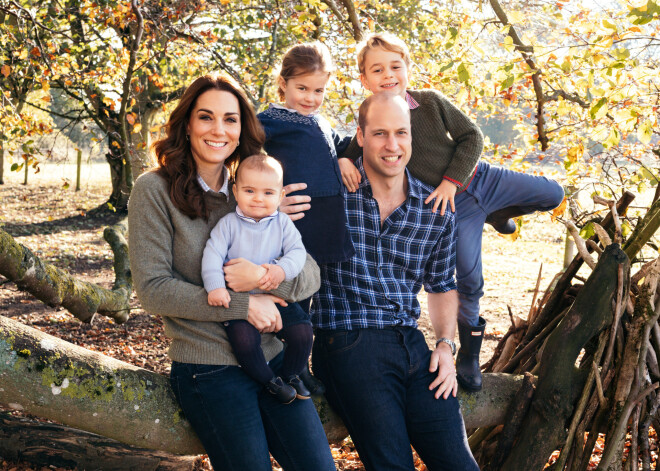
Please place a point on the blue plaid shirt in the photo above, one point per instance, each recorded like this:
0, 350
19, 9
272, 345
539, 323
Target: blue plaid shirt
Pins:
378, 286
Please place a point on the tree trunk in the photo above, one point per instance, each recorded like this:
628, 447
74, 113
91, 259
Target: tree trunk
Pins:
48, 377
559, 384
57, 446
2, 163
56, 287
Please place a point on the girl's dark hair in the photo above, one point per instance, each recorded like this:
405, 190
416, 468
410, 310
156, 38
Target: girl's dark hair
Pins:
176, 163
303, 59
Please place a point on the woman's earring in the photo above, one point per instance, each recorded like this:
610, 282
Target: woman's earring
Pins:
187, 137
238, 142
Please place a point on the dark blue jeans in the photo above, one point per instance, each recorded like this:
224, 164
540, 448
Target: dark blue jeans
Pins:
378, 382
238, 422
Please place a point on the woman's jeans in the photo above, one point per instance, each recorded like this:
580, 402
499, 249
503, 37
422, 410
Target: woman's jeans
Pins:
378, 381
491, 189
238, 422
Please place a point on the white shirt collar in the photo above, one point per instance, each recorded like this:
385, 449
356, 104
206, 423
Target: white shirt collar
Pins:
280, 107
242, 215
224, 189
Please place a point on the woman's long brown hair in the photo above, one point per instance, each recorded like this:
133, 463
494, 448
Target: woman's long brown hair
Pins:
176, 163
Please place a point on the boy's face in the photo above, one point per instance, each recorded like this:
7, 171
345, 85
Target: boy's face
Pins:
258, 193
385, 71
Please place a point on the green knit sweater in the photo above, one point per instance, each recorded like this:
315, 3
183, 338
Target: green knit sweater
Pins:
445, 142
165, 248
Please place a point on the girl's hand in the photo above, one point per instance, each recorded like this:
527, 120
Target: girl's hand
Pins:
242, 275
295, 206
263, 314
443, 194
350, 175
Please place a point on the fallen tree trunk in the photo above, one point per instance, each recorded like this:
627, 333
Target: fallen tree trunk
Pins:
54, 445
56, 287
48, 377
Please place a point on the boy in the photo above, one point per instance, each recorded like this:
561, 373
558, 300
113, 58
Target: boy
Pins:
259, 233
446, 147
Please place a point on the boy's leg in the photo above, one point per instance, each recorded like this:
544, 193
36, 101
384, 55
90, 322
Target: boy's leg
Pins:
364, 372
505, 194
298, 335
245, 340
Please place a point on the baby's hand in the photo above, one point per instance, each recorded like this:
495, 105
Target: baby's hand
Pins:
273, 277
443, 194
350, 175
219, 297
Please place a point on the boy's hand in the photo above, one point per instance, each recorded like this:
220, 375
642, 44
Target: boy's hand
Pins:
350, 175
273, 277
443, 194
219, 297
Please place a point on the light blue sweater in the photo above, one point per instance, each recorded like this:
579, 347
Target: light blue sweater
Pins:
271, 240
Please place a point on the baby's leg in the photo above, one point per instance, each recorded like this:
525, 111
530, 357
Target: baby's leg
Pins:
298, 335
245, 340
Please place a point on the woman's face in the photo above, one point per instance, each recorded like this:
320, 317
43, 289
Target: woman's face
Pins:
214, 129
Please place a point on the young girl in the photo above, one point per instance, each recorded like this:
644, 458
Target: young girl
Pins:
307, 147
303, 141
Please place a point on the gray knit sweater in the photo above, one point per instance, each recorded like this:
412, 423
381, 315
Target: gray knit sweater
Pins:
445, 142
165, 248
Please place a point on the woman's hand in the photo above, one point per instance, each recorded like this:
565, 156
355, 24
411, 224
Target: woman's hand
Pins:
295, 206
241, 275
443, 194
350, 175
263, 314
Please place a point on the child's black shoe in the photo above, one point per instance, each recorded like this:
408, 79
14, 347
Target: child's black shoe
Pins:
282, 392
301, 391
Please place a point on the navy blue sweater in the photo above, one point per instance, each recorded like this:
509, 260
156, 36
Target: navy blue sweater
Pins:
307, 148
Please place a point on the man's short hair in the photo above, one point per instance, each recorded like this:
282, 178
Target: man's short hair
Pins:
261, 163
387, 41
378, 98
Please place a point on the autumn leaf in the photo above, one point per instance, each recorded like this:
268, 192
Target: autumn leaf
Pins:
137, 128
130, 118
5, 70
559, 210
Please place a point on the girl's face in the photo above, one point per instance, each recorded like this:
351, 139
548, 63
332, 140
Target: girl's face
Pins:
214, 129
304, 93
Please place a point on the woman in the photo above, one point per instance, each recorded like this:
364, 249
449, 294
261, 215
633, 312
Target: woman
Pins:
171, 213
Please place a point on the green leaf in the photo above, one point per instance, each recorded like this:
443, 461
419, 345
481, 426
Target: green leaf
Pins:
645, 132
463, 73
599, 109
587, 231
508, 82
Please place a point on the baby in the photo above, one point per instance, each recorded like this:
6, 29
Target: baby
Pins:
261, 234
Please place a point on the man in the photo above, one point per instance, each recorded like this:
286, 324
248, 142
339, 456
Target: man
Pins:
389, 388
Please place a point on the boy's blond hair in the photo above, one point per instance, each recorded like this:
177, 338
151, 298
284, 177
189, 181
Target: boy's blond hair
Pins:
261, 163
387, 41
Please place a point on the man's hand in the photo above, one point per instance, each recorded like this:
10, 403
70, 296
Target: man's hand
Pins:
350, 175
295, 206
443, 194
442, 361
241, 275
273, 277
263, 314
219, 297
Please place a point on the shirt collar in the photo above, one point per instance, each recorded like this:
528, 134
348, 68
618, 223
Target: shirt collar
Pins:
224, 189
242, 215
414, 187
280, 107
412, 103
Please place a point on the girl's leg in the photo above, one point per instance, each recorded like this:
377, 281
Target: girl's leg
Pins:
245, 340
222, 404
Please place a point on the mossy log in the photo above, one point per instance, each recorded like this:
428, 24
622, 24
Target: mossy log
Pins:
48, 377
56, 287
559, 383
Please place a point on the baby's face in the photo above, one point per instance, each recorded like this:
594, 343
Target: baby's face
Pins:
258, 193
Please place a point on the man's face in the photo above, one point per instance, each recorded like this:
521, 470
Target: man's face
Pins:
386, 140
